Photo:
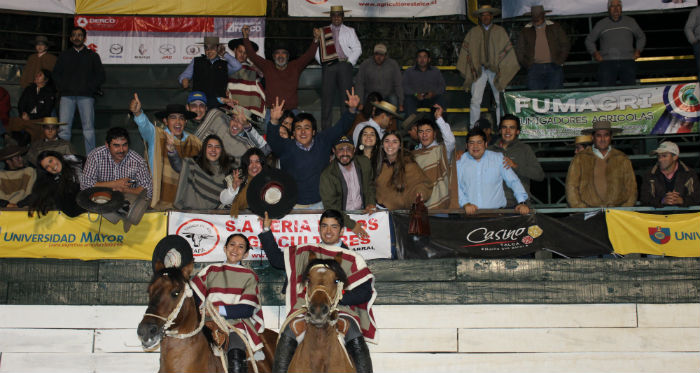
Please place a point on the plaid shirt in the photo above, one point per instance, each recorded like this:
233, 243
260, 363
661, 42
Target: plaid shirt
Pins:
100, 167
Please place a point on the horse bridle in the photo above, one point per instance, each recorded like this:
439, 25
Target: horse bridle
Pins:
187, 293
333, 300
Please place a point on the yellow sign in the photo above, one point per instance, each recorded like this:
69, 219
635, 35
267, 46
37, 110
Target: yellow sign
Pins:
670, 235
174, 7
85, 237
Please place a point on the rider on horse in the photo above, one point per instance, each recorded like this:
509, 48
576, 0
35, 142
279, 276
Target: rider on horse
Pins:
233, 289
356, 303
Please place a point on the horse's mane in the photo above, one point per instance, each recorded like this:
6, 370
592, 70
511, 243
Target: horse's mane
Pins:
331, 264
174, 274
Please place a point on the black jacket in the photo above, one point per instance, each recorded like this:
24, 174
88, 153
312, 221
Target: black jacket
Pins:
78, 73
654, 186
44, 101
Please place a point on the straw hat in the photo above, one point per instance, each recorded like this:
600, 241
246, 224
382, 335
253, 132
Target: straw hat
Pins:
50, 121
486, 8
388, 107
337, 9
583, 139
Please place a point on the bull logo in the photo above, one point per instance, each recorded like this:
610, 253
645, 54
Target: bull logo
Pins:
660, 235
201, 234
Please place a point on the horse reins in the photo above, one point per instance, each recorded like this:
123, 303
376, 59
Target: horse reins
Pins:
334, 300
171, 317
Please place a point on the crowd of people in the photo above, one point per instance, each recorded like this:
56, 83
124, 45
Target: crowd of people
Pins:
242, 117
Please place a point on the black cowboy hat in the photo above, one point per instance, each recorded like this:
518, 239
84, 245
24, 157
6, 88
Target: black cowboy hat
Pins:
180, 257
234, 43
176, 109
100, 200
274, 191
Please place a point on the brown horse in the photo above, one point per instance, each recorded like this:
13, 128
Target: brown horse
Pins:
323, 348
173, 320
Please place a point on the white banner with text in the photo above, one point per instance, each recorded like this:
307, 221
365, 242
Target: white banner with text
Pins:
378, 8
516, 8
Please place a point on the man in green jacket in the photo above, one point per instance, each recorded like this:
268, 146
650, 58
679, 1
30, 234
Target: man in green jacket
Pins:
348, 184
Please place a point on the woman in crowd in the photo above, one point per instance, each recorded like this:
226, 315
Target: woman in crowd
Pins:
369, 145
38, 100
202, 177
399, 178
286, 124
217, 283
57, 185
366, 112
237, 182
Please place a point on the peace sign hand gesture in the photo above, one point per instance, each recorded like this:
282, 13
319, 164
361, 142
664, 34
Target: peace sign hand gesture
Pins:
276, 111
353, 100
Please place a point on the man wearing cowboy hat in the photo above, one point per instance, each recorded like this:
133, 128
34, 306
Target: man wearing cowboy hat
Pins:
17, 179
380, 74
670, 182
41, 60
542, 48
348, 184
281, 74
51, 141
244, 86
423, 84
382, 114
601, 176
163, 143
209, 72
78, 75
437, 160
337, 59
486, 55
617, 52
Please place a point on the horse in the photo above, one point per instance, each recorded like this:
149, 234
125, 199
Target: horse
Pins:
173, 321
323, 347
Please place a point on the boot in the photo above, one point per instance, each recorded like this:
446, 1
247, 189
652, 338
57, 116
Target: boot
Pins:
284, 353
359, 353
237, 361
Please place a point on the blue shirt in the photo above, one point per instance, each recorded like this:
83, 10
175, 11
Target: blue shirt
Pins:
233, 66
481, 182
148, 133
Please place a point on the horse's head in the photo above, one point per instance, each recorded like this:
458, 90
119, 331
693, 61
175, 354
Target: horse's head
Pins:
166, 295
325, 280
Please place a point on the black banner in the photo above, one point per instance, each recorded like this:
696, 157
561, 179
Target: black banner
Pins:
507, 236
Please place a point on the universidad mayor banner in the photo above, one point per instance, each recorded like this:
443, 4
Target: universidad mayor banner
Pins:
207, 233
669, 235
665, 109
85, 237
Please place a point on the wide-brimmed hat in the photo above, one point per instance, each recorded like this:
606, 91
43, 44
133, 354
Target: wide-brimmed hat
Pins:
412, 119
337, 9
100, 200
11, 151
174, 251
210, 40
41, 39
50, 121
667, 147
274, 191
536, 10
486, 8
388, 107
583, 140
235, 43
176, 109
601, 125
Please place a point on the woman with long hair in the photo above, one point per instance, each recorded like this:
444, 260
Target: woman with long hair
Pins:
38, 100
399, 178
368, 146
57, 185
237, 182
202, 177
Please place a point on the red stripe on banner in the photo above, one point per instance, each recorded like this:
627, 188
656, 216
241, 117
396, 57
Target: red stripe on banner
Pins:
105, 23
146, 24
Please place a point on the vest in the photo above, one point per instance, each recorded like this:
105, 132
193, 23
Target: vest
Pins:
210, 78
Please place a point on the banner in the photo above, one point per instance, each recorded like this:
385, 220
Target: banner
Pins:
207, 233
43, 6
378, 8
174, 7
162, 40
665, 109
669, 235
516, 8
85, 237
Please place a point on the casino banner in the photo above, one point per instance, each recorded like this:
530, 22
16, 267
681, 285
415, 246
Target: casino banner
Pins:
85, 237
162, 40
378, 8
516, 8
669, 235
666, 109
207, 233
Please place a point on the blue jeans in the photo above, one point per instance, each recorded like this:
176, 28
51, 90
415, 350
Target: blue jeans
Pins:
86, 106
545, 76
610, 71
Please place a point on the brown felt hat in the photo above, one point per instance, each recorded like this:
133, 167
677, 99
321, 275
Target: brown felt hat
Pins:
536, 10
11, 151
601, 125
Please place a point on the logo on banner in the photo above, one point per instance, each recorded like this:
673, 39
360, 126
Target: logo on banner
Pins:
201, 234
142, 51
660, 235
116, 49
81, 21
516, 237
237, 27
192, 49
93, 47
167, 49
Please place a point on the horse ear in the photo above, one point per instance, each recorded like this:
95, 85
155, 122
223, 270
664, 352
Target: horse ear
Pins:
339, 258
158, 266
187, 270
312, 256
